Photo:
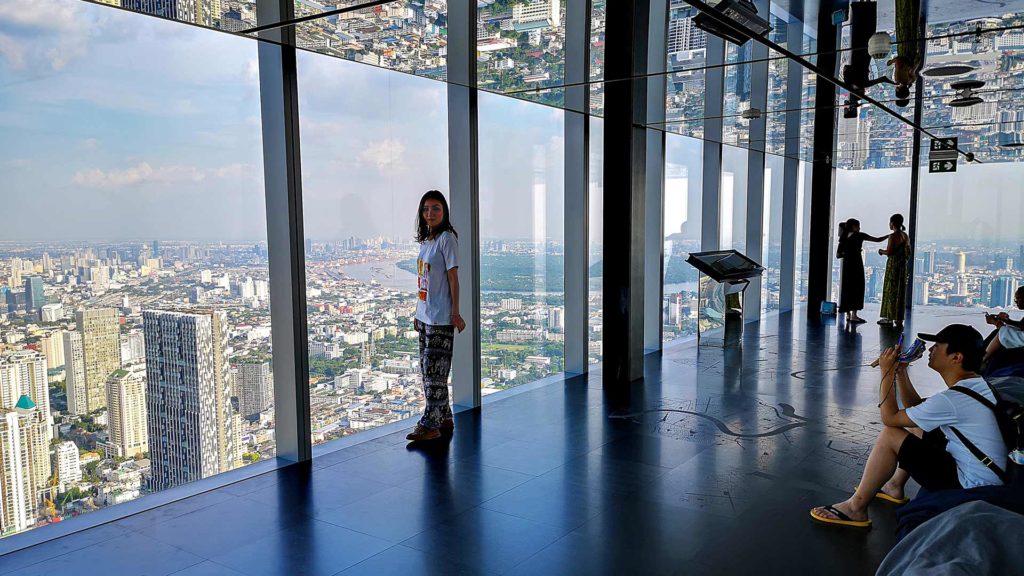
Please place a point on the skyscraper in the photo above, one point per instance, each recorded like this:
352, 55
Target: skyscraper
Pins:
69, 468
961, 263
91, 353
23, 373
255, 388
34, 296
1003, 288
193, 430
126, 410
24, 464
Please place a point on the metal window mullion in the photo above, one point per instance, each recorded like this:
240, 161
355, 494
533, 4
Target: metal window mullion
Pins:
464, 195
714, 89
285, 235
654, 201
577, 185
757, 130
915, 186
791, 171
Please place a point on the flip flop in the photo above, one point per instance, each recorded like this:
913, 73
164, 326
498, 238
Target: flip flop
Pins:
883, 496
843, 520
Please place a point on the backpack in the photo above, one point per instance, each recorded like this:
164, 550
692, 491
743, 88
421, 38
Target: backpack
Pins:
1009, 412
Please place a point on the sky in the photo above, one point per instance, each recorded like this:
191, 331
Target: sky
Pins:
117, 126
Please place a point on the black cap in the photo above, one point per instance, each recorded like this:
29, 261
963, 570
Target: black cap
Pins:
963, 339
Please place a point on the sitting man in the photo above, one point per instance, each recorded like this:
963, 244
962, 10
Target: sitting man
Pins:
1008, 333
936, 459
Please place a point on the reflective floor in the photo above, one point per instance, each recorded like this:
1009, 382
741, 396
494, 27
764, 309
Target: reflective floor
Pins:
709, 467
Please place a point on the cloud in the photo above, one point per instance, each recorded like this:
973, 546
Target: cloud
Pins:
144, 173
90, 144
12, 52
17, 163
385, 155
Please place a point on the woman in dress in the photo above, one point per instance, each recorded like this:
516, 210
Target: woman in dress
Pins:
851, 279
894, 287
437, 312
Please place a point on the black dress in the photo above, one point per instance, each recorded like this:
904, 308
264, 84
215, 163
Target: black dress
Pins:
851, 287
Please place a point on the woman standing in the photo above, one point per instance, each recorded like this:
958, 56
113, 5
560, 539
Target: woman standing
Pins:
437, 311
851, 279
894, 287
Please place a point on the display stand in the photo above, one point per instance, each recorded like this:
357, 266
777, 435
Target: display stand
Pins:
724, 276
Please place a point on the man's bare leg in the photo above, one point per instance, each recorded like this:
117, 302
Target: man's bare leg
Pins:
880, 469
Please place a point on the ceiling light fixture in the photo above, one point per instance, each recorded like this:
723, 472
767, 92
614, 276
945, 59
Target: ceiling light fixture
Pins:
965, 95
948, 70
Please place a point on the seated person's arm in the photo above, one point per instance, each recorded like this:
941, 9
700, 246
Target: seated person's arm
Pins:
906, 388
891, 414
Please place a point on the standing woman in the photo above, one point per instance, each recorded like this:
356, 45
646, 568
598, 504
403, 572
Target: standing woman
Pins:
437, 311
894, 287
851, 279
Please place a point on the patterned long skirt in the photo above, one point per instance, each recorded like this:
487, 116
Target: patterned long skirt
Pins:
436, 344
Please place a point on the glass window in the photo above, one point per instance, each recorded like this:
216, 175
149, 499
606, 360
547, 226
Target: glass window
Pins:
521, 45
130, 315
733, 200
597, 24
803, 230
736, 99
970, 244
687, 55
596, 232
370, 149
870, 196
522, 174
682, 225
771, 232
405, 35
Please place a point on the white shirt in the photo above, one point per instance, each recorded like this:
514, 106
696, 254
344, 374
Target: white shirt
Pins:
434, 296
974, 420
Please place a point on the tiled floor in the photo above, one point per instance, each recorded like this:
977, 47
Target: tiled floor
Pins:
709, 467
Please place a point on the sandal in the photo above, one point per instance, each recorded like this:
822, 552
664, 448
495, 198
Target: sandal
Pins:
883, 496
843, 519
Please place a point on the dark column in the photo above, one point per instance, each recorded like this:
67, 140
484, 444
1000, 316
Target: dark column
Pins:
626, 37
822, 187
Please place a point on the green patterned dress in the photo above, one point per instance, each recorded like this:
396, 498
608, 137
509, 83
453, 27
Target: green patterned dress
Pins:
894, 287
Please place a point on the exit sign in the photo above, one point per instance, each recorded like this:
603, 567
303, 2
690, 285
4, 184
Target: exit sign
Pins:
940, 166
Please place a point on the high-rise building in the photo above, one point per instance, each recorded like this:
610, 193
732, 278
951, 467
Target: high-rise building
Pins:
51, 312
511, 304
1003, 288
74, 373
255, 388
98, 348
24, 464
156, 248
530, 14
133, 347
921, 292
34, 296
929, 262
181, 10
961, 263
15, 281
52, 347
684, 36
556, 319
69, 467
23, 373
193, 429
126, 410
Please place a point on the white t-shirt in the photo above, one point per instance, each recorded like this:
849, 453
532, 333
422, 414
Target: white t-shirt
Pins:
974, 420
434, 300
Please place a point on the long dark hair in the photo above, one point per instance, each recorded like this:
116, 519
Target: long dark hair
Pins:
897, 221
422, 230
844, 226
